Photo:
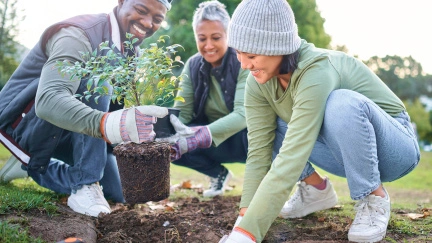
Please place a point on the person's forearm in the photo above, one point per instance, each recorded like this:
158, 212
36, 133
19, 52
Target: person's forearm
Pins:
186, 92
56, 104
227, 126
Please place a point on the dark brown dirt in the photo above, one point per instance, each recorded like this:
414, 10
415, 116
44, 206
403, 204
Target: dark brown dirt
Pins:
182, 220
62, 225
187, 220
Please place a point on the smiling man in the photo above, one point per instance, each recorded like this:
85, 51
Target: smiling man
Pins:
64, 143
140, 18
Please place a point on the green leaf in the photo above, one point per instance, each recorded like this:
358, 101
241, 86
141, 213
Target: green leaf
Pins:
179, 98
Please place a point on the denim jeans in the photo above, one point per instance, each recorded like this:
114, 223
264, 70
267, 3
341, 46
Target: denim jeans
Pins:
209, 161
82, 160
359, 141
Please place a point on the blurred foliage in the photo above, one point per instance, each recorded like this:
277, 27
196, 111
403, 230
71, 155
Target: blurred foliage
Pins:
9, 22
406, 78
310, 23
420, 117
179, 24
403, 75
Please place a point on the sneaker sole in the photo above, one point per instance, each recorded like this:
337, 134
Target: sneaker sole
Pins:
314, 207
77, 208
363, 238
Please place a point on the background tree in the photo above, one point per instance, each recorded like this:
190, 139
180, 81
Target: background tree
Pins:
406, 78
310, 23
420, 117
403, 75
9, 55
179, 24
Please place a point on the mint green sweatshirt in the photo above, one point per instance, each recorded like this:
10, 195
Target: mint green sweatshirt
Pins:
267, 185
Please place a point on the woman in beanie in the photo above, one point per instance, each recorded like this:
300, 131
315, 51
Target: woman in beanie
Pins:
340, 117
213, 90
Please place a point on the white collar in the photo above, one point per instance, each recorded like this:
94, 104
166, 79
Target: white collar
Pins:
115, 31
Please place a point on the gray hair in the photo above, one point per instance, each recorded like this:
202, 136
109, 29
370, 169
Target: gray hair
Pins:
213, 11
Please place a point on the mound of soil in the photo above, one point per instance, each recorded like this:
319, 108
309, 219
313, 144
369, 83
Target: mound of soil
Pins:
191, 220
186, 220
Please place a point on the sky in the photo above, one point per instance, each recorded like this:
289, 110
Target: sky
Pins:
366, 27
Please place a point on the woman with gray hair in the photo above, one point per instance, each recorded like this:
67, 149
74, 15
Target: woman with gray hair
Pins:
213, 111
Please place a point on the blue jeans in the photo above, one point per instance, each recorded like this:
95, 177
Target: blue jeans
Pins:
361, 142
209, 161
82, 160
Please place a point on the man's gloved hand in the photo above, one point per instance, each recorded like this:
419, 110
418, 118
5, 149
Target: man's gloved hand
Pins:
131, 125
187, 138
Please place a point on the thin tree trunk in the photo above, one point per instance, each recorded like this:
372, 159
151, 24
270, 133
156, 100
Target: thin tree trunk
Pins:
3, 25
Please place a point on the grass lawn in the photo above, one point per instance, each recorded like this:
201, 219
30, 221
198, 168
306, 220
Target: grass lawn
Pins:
409, 191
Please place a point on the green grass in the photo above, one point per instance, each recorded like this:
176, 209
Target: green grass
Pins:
4, 155
20, 196
14, 233
23, 195
409, 194
181, 174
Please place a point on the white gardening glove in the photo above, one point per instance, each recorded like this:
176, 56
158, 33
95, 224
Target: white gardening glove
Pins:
238, 236
187, 138
237, 222
131, 125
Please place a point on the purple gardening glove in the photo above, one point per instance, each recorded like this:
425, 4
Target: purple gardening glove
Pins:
131, 125
187, 138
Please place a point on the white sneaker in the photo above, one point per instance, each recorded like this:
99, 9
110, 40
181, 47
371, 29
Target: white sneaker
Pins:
219, 184
371, 220
89, 200
308, 199
12, 170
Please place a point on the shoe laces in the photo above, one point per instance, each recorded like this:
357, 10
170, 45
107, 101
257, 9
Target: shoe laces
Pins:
216, 183
298, 194
367, 212
94, 193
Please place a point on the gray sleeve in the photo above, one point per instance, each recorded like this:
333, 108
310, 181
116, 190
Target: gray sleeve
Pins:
54, 98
